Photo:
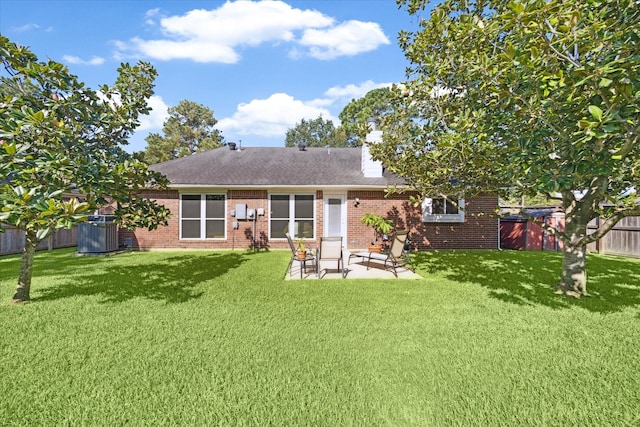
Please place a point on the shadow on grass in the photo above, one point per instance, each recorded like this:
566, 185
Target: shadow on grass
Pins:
52, 261
529, 278
173, 279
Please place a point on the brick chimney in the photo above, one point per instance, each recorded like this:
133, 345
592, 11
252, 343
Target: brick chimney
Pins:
371, 168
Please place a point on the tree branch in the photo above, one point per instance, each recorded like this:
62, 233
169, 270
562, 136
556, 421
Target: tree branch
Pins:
561, 55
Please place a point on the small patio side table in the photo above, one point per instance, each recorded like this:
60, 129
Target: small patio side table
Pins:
311, 256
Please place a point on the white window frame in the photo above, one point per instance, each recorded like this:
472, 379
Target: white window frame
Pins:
428, 216
203, 216
292, 214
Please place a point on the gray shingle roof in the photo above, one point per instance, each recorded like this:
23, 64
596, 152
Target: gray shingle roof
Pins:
272, 166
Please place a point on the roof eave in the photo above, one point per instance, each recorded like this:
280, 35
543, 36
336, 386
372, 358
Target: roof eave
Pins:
272, 187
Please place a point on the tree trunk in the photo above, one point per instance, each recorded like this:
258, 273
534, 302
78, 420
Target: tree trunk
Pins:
574, 251
24, 279
574, 271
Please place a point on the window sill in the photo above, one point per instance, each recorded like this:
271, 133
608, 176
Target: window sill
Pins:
197, 239
443, 218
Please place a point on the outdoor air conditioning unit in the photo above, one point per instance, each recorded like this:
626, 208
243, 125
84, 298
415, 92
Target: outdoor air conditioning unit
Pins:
98, 235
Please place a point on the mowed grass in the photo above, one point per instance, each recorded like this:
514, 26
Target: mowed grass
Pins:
220, 338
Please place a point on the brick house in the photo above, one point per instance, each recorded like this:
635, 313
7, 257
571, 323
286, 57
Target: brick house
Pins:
236, 198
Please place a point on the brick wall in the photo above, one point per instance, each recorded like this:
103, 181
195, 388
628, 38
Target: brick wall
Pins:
162, 237
169, 236
478, 232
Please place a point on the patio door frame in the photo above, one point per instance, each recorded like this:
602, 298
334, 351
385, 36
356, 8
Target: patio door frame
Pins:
343, 214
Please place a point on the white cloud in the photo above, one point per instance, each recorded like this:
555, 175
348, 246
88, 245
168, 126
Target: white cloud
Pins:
353, 91
152, 12
264, 118
347, 39
30, 27
95, 60
271, 117
156, 117
196, 50
150, 15
26, 27
215, 35
152, 121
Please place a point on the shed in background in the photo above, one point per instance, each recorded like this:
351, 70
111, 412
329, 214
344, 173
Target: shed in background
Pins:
519, 233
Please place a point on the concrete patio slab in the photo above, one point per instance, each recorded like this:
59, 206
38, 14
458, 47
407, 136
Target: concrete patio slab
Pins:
356, 268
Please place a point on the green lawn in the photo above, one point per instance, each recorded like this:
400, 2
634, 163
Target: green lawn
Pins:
220, 338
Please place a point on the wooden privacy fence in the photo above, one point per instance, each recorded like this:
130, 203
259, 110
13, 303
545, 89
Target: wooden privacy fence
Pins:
12, 240
624, 239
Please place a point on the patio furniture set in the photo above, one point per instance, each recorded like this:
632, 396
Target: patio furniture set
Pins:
331, 251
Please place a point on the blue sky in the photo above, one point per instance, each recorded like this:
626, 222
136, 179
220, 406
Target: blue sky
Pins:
261, 66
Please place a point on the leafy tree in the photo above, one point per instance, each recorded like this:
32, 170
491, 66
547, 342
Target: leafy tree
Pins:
189, 129
315, 133
536, 97
375, 104
528, 201
60, 150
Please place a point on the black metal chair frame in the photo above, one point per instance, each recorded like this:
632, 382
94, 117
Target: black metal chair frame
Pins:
396, 256
319, 257
294, 257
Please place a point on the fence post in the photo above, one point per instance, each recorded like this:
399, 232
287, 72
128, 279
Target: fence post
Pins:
601, 242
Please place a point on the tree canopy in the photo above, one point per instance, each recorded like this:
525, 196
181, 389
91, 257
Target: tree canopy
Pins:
189, 129
315, 133
61, 153
532, 97
354, 116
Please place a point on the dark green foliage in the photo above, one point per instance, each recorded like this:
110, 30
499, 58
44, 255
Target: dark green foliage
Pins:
61, 154
374, 105
189, 129
524, 98
315, 133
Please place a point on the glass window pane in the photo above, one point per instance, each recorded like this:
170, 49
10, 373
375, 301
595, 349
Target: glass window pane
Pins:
279, 206
190, 206
451, 208
215, 206
304, 206
304, 229
279, 228
333, 221
190, 229
437, 206
443, 206
215, 229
